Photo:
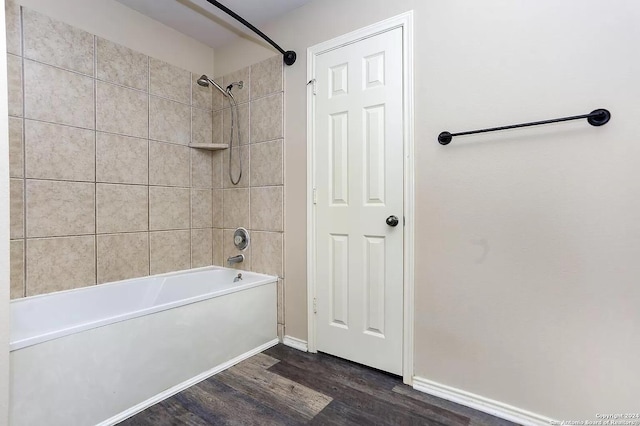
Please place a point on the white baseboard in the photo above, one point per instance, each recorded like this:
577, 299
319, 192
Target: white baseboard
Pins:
480, 403
184, 385
294, 343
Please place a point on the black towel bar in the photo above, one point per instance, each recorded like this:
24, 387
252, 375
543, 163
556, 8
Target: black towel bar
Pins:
598, 117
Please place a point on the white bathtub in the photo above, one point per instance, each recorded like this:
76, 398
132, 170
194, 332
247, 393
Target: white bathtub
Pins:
100, 354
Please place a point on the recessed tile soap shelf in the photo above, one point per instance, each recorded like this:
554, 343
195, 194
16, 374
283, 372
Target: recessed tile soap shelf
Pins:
210, 146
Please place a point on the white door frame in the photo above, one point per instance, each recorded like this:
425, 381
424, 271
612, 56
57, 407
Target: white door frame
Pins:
404, 21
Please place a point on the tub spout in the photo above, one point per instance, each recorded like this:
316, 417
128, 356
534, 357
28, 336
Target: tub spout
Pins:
235, 259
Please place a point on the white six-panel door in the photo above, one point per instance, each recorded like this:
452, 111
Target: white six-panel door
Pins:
358, 163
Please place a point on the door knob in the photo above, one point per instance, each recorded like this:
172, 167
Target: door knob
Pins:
392, 221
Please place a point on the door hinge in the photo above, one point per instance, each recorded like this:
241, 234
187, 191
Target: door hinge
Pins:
313, 83
315, 305
315, 196
404, 221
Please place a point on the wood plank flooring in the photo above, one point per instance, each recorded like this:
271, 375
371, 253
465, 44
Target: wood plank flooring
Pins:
283, 386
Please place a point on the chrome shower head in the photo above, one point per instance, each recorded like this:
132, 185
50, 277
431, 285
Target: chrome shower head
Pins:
203, 81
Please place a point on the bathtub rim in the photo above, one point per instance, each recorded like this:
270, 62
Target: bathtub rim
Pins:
15, 345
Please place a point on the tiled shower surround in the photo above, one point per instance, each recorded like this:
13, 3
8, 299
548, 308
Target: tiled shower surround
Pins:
104, 185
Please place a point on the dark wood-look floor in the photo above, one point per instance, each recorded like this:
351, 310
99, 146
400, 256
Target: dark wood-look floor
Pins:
283, 386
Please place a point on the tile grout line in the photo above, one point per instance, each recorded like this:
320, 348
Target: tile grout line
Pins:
282, 247
149, 164
95, 146
110, 82
53, 123
250, 177
191, 193
282, 166
24, 160
47, 237
104, 182
213, 261
122, 134
211, 180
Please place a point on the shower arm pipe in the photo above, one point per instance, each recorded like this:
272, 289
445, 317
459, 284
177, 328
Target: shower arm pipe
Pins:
289, 56
217, 86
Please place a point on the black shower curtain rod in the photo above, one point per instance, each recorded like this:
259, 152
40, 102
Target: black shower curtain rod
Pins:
598, 117
289, 56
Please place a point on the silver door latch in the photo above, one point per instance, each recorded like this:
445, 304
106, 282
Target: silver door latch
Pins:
313, 81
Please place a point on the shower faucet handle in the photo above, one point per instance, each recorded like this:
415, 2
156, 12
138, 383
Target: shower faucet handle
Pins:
241, 239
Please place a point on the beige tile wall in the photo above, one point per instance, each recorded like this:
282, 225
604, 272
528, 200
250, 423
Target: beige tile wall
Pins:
85, 190
104, 185
257, 202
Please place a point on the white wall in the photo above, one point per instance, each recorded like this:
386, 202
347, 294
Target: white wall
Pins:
4, 231
527, 244
120, 24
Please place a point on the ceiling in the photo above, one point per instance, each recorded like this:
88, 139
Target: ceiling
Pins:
206, 23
